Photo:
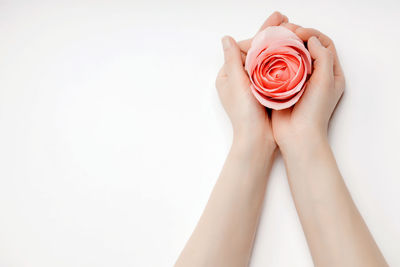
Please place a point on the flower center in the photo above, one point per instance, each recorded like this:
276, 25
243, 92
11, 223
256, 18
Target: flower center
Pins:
280, 73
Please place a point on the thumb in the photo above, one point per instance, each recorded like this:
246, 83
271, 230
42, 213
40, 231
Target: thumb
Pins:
232, 55
323, 58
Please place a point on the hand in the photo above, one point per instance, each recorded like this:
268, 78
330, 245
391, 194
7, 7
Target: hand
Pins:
248, 117
308, 119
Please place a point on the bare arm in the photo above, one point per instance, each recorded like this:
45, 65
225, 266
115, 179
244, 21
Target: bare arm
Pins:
335, 231
225, 233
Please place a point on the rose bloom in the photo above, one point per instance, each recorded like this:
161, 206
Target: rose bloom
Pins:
278, 64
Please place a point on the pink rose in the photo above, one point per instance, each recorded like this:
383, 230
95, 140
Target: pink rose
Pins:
278, 64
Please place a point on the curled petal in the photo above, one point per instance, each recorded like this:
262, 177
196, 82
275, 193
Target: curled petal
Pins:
278, 65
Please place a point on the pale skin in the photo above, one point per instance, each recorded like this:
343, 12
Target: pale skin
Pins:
335, 231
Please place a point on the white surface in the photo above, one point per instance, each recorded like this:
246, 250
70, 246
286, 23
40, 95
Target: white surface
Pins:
112, 135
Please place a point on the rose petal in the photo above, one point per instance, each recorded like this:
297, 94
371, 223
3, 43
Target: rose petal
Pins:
275, 104
278, 65
266, 38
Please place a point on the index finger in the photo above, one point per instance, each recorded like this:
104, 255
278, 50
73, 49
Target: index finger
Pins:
307, 33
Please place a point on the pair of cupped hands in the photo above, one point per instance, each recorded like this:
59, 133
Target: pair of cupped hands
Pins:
308, 119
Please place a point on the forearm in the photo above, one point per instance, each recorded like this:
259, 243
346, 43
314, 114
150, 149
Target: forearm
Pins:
335, 230
226, 230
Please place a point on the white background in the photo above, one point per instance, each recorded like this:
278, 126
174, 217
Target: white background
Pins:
112, 135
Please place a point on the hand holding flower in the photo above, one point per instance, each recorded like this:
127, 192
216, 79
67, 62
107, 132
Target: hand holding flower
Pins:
248, 117
309, 118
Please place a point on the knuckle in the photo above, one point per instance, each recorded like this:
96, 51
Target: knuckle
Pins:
327, 42
314, 32
328, 39
332, 44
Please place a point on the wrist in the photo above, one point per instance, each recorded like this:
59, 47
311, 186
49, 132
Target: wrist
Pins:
253, 145
303, 141
262, 140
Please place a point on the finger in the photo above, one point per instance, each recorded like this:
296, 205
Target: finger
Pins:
291, 26
323, 60
221, 77
222, 73
244, 45
306, 33
243, 55
232, 55
275, 19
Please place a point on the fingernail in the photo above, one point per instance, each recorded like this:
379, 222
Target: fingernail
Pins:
315, 40
226, 42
